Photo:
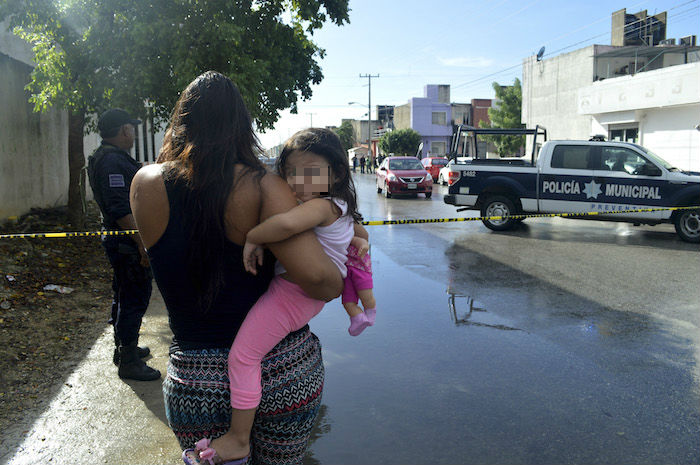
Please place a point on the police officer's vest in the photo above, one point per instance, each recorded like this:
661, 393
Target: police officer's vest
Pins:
93, 161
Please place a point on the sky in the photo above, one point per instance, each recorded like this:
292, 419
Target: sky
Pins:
466, 44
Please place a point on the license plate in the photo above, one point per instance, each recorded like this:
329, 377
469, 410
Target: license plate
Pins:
412, 185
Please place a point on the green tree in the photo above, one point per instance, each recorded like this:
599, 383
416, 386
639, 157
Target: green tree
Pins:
400, 142
346, 135
506, 115
93, 54
273, 61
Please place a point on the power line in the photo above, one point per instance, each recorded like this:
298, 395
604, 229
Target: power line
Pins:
578, 43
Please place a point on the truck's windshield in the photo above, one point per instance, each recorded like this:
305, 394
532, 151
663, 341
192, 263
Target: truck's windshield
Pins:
657, 159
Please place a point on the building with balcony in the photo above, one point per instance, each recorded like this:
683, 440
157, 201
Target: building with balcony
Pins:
647, 94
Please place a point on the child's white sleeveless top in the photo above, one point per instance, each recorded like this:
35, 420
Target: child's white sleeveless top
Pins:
334, 238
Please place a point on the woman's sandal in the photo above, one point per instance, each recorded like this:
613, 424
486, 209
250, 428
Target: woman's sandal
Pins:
207, 453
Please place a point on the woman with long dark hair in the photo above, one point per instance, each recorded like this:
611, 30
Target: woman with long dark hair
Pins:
193, 210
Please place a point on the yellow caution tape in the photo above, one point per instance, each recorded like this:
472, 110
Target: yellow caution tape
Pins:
69, 234
369, 223
534, 215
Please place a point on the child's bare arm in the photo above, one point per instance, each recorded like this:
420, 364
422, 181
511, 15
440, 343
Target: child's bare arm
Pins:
361, 239
360, 231
285, 225
361, 245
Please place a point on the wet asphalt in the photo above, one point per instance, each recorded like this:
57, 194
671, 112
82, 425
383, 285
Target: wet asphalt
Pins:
562, 342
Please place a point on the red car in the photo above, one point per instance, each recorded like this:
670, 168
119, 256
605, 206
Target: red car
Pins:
403, 175
433, 165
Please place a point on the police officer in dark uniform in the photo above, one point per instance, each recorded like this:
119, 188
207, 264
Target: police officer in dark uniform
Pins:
110, 170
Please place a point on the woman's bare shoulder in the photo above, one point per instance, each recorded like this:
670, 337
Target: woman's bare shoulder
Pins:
272, 182
277, 195
149, 203
149, 175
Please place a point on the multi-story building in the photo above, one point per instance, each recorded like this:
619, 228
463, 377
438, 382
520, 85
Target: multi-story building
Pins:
433, 116
647, 94
430, 116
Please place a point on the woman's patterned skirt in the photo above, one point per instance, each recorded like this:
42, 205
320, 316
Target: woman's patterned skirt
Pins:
197, 398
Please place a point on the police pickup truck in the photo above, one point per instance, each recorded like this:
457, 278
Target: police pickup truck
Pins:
572, 176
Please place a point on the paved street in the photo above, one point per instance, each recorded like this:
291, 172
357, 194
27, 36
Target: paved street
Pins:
565, 341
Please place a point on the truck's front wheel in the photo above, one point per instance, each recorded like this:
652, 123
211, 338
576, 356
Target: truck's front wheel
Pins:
498, 205
687, 225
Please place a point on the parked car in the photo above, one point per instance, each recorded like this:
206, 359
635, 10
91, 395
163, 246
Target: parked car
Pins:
446, 173
433, 165
403, 175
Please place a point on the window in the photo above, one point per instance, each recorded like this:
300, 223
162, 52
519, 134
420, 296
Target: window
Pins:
405, 164
621, 159
573, 157
440, 117
437, 148
622, 134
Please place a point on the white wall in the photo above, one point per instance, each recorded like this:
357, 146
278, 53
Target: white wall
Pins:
550, 94
671, 134
33, 146
675, 85
663, 103
560, 94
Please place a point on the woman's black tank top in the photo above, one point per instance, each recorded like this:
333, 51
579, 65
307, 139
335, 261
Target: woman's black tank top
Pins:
193, 328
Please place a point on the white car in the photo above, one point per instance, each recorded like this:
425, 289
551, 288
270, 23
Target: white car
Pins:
444, 173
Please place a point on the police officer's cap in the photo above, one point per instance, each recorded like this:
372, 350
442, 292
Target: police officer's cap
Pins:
115, 118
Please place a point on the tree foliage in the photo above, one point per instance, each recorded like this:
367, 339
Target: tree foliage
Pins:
506, 115
96, 54
346, 135
400, 142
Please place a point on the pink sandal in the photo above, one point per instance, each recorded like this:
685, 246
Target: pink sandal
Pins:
208, 453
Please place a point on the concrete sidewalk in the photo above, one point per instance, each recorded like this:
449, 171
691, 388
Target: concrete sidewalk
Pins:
98, 418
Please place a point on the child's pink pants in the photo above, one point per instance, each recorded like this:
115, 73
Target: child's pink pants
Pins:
282, 309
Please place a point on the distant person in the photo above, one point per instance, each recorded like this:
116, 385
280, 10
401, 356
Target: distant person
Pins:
194, 208
110, 171
315, 166
362, 164
354, 163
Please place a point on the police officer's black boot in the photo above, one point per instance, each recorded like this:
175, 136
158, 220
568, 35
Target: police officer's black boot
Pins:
142, 351
132, 367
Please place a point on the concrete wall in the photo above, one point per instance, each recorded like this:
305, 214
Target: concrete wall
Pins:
671, 134
461, 113
675, 85
550, 94
664, 104
402, 117
33, 147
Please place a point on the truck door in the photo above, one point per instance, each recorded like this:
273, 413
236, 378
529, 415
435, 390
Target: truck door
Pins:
628, 181
565, 185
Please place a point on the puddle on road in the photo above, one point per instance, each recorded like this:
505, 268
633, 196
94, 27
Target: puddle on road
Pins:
498, 372
462, 308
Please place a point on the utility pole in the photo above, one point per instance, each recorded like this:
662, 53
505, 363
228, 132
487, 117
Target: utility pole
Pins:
369, 117
311, 123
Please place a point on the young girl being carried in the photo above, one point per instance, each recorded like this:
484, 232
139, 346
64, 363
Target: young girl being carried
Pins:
316, 167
